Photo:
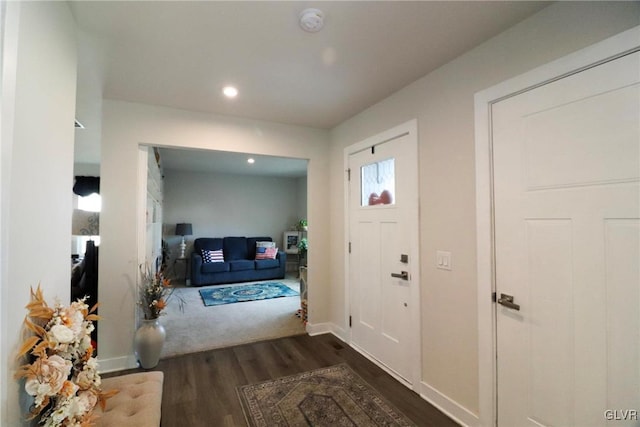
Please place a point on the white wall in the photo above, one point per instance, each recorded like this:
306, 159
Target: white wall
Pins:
219, 205
127, 125
37, 164
302, 197
85, 169
443, 104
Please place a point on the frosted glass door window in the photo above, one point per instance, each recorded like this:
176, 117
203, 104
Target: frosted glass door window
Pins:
378, 183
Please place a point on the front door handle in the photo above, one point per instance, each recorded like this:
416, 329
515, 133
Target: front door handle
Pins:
403, 275
507, 301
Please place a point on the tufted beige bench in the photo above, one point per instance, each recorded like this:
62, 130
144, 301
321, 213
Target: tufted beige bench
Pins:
136, 405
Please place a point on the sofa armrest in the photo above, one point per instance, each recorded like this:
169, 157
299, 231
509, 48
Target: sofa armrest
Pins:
196, 268
282, 257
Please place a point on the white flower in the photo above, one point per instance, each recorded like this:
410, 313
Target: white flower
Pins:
85, 343
84, 379
92, 363
89, 327
89, 376
52, 373
73, 318
38, 389
61, 334
59, 414
86, 402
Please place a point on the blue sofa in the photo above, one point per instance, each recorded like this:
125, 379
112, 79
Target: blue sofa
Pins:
239, 263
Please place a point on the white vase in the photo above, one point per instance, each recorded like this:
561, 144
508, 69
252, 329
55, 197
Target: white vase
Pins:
149, 340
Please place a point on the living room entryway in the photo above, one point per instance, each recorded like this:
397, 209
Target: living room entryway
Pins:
215, 221
383, 245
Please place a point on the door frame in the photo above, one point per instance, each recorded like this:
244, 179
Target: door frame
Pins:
604, 51
409, 128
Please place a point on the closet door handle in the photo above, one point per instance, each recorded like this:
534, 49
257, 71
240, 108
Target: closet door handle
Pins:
507, 301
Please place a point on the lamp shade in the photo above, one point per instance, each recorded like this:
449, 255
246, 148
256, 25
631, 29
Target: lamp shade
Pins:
183, 229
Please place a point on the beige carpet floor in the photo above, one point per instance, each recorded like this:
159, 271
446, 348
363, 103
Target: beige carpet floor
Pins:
200, 328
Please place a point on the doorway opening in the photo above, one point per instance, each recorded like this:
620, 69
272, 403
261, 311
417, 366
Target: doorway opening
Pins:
223, 194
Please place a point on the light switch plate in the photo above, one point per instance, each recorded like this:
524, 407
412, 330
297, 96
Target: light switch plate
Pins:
443, 260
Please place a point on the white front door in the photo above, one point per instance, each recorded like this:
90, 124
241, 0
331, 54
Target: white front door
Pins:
567, 249
383, 263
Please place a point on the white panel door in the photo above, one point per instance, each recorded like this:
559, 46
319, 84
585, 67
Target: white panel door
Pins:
567, 240
383, 227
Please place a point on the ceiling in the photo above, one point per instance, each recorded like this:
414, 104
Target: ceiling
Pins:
231, 163
181, 53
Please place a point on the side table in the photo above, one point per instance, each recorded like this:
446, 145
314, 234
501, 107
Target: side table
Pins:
293, 263
184, 261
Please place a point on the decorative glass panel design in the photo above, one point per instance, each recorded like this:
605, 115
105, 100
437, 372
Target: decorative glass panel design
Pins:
378, 183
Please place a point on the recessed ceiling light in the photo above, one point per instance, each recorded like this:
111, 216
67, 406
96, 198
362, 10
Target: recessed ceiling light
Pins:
251, 160
230, 91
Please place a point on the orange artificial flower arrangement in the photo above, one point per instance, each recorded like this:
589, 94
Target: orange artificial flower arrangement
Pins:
155, 291
62, 374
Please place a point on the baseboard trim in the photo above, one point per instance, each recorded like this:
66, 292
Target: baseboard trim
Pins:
117, 364
318, 328
339, 332
314, 329
450, 407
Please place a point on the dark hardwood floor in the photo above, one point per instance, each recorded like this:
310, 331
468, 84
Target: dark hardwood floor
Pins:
200, 388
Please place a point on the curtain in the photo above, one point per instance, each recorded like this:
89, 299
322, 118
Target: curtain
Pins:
86, 185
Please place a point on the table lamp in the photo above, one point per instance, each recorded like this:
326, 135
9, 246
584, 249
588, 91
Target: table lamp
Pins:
183, 229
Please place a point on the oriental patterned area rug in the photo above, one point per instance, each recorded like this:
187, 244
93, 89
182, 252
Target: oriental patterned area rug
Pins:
333, 396
243, 293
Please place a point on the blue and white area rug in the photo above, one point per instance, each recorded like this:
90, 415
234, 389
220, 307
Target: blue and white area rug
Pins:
243, 293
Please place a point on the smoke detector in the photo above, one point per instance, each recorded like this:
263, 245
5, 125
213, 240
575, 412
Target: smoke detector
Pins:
311, 20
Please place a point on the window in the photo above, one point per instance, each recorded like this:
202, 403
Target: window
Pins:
92, 203
378, 183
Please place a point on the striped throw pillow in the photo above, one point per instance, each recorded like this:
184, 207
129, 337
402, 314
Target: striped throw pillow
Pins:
212, 256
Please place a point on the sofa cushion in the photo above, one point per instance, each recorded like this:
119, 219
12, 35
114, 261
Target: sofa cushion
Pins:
251, 245
269, 253
212, 256
235, 248
266, 250
240, 265
208, 243
215, 267
262, 264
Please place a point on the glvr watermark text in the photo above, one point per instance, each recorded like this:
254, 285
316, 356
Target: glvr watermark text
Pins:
621, 414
